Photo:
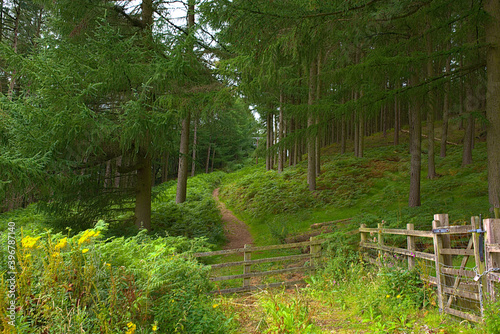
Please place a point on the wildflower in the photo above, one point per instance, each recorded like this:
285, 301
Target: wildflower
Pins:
29, 242
398, 296
56, 254
215, 305
86, 236
155, 328
108, 264
85, 250
61, 244
388, 296
131, 328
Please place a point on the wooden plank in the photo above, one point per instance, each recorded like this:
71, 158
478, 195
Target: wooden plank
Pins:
463, 315
258, 287
493, 248
415, 233
451, 251
492, 259
457, 279
420, 255
410, 246
260, 248
458, 272
260, 273
460, 229
438, 245
247, 267
461, 293
319, 225
266, 260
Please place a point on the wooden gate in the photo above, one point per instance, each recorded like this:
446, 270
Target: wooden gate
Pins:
307, 261
466, 259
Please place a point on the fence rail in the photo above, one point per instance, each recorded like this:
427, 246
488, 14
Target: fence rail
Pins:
458, 285
314, 255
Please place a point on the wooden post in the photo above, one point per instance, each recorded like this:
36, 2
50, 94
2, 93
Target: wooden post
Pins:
476, 224
443, 221
410, 242
314, 251
364, 235
492, 228
438, 245
247, 268
380, 226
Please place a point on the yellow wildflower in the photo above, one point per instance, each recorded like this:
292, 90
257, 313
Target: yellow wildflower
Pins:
85, 250
131, 328
86, 236
388, 296
61, 244
97, 234
215, 305
398, 296
155, 328
29, 242
56, 254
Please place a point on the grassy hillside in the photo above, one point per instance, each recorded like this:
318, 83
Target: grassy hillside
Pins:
368, 190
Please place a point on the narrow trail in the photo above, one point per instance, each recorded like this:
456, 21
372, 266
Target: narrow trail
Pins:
236, 231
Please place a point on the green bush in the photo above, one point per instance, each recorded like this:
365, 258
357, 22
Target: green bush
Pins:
87, 284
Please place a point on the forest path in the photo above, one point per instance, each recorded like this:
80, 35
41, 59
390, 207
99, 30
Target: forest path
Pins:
236, 231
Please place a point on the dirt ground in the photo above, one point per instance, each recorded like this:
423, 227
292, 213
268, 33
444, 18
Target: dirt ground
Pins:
236, 231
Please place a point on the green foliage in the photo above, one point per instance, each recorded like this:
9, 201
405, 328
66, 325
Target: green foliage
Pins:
148, 284
492, 317
287, 314
198, 216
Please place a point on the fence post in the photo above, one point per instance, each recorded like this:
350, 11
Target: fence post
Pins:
247, 268
314, 250
380, 226
410, 241
492, 228
438, 245
443, 221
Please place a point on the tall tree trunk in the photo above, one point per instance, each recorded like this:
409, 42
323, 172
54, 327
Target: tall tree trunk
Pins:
361, 133
415, 152
396, 121
193, 162
343, 136
269, 141
492, 7
431, 165
213, 160
164, 174
318, 96
208, 159
182, 173
281, 150
143, 192
446, 112
15, 41
311, 140
469, 128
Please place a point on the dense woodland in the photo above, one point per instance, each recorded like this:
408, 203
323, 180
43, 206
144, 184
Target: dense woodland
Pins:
102, 99
119, 119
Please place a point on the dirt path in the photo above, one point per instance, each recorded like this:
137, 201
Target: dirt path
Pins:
236, 231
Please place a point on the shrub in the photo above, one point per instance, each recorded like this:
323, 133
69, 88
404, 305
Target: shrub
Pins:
139, 285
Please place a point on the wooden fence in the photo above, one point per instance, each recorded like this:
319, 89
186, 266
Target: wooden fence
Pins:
313, 255
458, 285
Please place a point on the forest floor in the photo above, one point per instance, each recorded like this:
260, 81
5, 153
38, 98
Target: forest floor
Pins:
236, 231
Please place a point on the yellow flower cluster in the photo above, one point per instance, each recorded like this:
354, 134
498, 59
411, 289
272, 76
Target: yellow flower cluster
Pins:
29, 242
61, 244
131, 328
87, 235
